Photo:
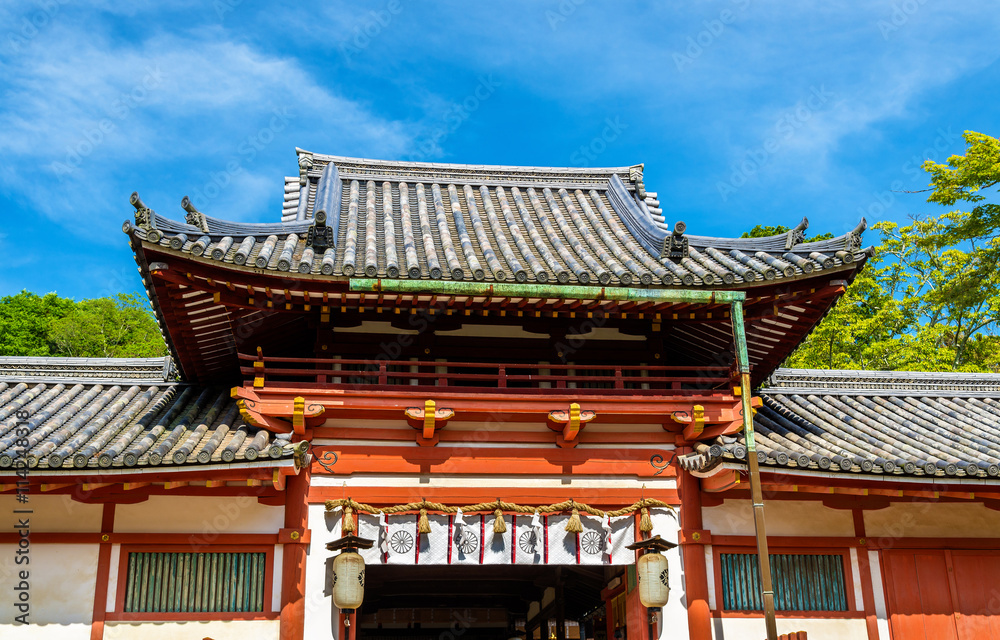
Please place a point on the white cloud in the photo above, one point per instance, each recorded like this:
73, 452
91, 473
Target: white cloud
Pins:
87, 117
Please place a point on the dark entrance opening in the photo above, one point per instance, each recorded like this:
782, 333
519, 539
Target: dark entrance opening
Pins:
480, 602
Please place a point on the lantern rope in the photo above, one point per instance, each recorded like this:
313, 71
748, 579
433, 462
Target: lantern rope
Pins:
499, 505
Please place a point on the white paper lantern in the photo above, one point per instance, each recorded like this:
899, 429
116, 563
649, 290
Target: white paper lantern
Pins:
348, 580
654, 580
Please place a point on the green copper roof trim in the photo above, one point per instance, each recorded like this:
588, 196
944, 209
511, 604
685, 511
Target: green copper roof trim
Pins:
504, 290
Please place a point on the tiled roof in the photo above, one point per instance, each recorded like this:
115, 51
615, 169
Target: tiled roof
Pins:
122, 413
121, 370
489, 223
866, 422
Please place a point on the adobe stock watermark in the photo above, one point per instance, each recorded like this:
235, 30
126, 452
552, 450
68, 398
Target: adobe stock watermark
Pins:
884, 199
118, 111
589, 152
22, 513
455, 117
785, 127
28, 28
369, 27
714, 28
222, 7
564, 10
247, 151
900, 16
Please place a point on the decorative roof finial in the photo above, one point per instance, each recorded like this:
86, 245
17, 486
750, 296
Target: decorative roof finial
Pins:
852, 241
320, 236
194, 217
675, 246
797, 235
145, 218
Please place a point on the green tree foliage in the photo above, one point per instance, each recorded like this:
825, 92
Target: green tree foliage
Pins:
24, 322
763, 231
119, 326
929, 299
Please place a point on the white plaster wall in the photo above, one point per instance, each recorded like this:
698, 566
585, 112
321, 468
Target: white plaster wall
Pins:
423, 482
878, 591
675, 623
62, 579
52, 514
782, 517
116, 558
319, 623
933, 520
199, 515
816, 628
215, 629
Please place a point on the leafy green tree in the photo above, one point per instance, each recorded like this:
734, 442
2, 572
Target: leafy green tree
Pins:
25, 319
120, 326
929, 300
763, 231
117, 327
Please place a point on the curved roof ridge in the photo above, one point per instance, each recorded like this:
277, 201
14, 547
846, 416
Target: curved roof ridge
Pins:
460, 166
864, 382
58, 368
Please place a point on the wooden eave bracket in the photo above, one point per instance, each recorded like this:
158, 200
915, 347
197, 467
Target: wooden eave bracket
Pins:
721, 480
569, 423
279, 474
428, 420
278, 415
701, 425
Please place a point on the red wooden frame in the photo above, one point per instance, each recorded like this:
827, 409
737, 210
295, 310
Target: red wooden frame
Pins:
119, 613
947, 554
849, 578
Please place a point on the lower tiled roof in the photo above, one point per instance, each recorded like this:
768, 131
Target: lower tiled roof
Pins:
890, 424
124, 421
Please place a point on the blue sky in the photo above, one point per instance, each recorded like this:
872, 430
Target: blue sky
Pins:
744, 112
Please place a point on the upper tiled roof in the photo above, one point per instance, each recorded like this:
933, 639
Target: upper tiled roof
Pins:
488, 223
119, 370
122, 413
886, 423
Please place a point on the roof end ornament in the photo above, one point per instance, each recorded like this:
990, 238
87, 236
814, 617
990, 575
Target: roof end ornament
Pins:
320, 236
145, 218
852, 241
635, 177
675, 246
194, 217
305, 162
797, 235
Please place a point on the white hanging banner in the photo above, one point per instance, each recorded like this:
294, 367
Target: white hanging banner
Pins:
497, 548
467, 539
434, 545
592, 540
403, 539
368, 527
622, 534
529, 538
562, 543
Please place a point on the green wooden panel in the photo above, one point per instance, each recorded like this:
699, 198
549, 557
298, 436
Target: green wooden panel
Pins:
195, 582
802, 582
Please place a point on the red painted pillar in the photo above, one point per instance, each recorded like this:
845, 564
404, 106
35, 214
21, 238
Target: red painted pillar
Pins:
695, 575
103, 573
867, 585
293, 579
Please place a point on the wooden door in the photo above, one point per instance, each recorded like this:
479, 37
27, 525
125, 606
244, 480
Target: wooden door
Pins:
943, 595
977, 583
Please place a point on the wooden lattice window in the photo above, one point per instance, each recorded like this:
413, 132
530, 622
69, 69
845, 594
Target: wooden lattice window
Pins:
802, 582
195, 582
